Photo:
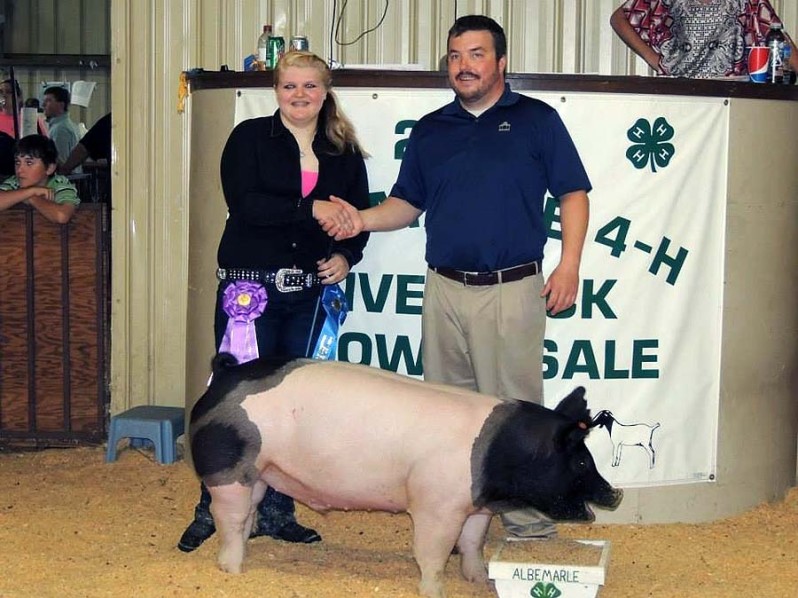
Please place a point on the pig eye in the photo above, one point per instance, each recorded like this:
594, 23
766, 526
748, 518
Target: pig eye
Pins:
581, 464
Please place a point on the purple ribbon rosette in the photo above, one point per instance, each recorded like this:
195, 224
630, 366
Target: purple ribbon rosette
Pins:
243, 302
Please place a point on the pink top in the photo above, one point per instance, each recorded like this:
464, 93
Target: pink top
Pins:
7, 124
309, 180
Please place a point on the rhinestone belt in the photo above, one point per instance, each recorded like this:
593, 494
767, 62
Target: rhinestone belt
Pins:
286, 280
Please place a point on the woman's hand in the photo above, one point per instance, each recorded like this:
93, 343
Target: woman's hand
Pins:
333, 218
355, 220
333, 270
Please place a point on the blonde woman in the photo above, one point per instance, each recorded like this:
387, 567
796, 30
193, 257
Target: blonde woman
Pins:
278, 173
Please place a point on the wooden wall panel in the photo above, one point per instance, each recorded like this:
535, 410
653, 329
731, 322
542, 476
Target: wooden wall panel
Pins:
48, 330
86, 349
53, 327
14, 372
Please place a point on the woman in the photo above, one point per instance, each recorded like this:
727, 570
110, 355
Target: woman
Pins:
696, 38
8, 134
278, 173
7, 89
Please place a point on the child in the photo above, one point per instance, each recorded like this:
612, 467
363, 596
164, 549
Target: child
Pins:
35, 182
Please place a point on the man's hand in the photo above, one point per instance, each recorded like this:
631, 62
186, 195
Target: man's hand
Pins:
333, 218
354, 221
560, 289
42, 193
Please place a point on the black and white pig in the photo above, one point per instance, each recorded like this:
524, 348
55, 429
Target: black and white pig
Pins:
342, 436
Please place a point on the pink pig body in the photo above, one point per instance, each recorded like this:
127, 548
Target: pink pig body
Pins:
347, 437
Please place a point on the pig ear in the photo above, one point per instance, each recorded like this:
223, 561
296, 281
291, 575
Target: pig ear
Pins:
574, 406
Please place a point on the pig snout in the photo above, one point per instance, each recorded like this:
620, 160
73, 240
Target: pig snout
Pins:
610, 499
580, 511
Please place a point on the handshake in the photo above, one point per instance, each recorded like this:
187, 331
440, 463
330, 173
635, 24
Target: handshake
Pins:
338, 218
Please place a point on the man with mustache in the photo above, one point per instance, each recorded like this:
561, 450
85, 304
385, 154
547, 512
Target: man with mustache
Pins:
480, 167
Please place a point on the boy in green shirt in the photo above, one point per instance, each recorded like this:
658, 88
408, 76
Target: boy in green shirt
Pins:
35, 182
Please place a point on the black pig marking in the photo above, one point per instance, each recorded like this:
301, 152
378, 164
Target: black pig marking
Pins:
224, 442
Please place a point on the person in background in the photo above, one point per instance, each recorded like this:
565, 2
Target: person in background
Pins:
63, 131
32, 103
95, 144
278, 173
6, 110
35, 182
7, 88
480, 168
696, 38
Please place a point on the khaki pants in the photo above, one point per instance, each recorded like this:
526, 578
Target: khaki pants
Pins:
488, 339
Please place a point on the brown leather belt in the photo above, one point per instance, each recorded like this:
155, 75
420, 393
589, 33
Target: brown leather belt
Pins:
481, 279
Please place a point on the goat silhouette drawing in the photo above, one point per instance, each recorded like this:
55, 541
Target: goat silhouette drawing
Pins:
622, 435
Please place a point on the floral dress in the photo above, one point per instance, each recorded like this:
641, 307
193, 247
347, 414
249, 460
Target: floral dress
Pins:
701, 38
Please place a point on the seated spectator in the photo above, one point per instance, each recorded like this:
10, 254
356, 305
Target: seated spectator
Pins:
35, 182
63, 131
696, 38
95, 144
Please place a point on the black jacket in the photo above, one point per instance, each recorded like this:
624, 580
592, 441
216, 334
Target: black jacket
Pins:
270, 225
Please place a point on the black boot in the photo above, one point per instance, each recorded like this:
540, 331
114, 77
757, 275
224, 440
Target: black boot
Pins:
202, 527
276, 519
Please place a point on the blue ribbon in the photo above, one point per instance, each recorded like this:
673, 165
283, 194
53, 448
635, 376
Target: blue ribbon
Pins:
336, 307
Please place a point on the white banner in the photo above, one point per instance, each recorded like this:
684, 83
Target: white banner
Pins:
644, 336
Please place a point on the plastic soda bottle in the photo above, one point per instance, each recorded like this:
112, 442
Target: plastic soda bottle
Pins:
263, 48
775, 42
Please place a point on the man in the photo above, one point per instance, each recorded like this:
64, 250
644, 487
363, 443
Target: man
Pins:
480, 168
63, 131
95, 144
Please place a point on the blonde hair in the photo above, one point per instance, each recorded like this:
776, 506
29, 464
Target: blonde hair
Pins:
338, 128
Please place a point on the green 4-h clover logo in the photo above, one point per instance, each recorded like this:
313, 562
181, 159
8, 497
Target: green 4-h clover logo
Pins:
544, 590
650, 143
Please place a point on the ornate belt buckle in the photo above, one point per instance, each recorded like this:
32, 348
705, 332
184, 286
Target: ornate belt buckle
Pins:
279, 280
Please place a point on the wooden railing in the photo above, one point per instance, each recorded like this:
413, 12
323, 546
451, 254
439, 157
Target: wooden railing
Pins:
54, 306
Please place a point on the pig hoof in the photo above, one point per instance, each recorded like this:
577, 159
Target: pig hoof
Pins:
234, 568
474, 572
431, 590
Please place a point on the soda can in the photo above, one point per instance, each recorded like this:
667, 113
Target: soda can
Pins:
276, 50
758, 63
299, 43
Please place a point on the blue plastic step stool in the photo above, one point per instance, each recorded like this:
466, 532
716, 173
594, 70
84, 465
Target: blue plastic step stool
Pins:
159, 425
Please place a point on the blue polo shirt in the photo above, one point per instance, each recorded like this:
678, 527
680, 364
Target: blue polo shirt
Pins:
482, 180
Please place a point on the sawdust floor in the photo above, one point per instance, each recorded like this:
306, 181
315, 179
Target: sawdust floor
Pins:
74, 526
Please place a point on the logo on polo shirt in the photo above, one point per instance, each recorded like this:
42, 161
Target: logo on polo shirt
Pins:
505, 126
